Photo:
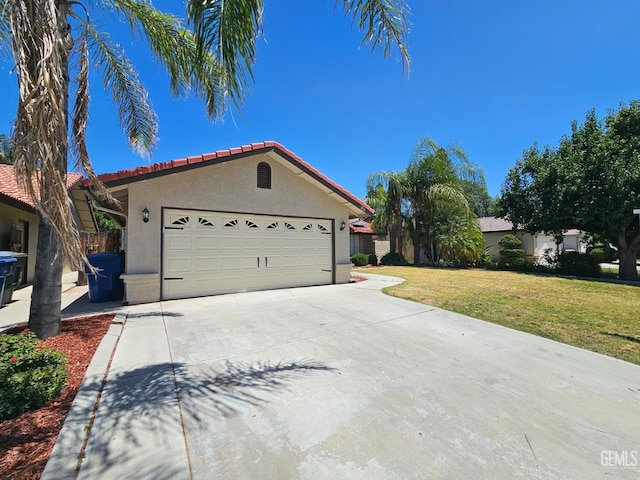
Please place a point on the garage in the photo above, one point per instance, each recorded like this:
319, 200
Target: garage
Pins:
246, 218
208, 253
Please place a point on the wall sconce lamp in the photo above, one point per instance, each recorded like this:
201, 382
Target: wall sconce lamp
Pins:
145, 214
342, 226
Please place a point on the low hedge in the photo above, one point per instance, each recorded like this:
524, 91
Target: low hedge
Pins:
360, 259
578, 264
393, 259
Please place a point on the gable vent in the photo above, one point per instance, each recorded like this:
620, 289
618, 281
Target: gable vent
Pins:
264, 175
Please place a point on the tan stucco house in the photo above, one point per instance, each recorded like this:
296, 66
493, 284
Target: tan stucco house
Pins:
19, 217
536, 247
248, 218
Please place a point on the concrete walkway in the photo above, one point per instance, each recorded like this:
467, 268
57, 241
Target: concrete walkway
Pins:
75, 302
342, 381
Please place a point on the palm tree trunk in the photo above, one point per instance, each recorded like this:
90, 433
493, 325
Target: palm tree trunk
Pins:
45, 317
45, 312
398, 229
393, 238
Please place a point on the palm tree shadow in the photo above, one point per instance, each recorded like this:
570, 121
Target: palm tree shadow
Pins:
240, 384
141, 405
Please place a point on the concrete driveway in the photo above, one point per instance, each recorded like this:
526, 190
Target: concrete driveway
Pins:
343, 381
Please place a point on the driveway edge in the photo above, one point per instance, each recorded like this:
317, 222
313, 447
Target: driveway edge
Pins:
68, 449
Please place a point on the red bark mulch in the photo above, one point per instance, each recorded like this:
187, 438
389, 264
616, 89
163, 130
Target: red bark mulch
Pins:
26, 441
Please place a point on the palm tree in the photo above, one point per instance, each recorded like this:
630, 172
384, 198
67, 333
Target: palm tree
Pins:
390, 215
6, 149
434, 184
210, 56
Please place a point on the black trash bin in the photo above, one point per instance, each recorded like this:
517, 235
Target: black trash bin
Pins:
106, 285
7, 270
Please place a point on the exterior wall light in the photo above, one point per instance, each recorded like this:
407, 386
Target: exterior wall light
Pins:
342, 226
145, 214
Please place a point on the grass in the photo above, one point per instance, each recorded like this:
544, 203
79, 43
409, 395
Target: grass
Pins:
598, 316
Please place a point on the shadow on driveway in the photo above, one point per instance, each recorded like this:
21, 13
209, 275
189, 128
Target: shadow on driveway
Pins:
82, 306
138, 410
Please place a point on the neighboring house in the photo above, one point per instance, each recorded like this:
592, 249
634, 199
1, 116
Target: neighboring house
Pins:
19, 218
249, 218
535, 246
363, 239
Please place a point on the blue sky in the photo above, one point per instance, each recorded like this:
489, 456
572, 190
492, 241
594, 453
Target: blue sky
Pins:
492, 76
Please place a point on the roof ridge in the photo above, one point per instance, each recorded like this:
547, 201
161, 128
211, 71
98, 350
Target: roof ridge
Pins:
230, 152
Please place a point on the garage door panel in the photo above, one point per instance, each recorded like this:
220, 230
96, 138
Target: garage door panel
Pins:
206, 242
206, 264
178, 265
221, 253
179, 242
226, 242
230, 263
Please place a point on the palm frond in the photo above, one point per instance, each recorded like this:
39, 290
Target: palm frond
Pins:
80, 118
81, 104
228, 30
191, 71
385, 23
5, 32
41, 42
449, 198
135, 114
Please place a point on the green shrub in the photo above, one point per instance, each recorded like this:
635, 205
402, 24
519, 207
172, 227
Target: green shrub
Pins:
599, 254
578, 264
510, 241
29, 376
603, 252
360, 259
393, 259
511, 257
373, 259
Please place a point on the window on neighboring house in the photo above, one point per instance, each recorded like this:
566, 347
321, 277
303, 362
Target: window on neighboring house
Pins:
264, 175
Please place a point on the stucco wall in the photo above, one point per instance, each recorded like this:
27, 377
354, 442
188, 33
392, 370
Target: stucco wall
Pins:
228, 186
11, 215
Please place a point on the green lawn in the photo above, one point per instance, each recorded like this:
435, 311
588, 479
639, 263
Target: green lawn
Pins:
602, 317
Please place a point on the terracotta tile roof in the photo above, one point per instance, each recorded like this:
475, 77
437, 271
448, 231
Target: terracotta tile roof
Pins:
361, 226
493, 224
134, 174
9, 185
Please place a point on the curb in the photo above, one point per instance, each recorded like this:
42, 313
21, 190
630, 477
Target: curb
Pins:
64, 458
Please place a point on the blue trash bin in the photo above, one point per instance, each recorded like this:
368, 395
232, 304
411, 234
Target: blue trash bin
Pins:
106, 285
7, 269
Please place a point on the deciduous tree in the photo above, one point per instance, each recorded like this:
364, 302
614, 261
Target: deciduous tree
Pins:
591, 181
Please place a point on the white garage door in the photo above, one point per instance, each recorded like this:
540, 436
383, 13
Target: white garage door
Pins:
206, 253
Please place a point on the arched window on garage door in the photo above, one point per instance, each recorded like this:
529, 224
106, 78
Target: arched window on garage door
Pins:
264, 175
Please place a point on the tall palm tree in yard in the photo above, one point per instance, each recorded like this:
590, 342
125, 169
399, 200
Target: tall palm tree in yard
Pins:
209, 55
434, 191
390, 214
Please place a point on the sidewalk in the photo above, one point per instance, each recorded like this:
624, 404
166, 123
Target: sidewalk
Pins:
75, 302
